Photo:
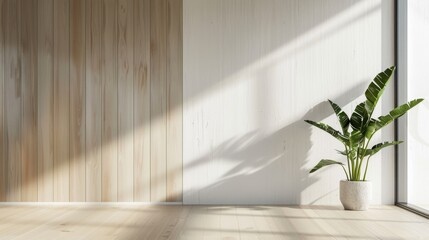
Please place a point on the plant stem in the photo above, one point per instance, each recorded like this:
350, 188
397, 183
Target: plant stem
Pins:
357, 162
345, 172
366, 168
352, 161
352, 165
363, 155
348, 162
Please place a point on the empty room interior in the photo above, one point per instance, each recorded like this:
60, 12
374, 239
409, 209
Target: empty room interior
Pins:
214, 119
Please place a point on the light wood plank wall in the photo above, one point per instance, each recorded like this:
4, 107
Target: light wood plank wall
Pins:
91, 100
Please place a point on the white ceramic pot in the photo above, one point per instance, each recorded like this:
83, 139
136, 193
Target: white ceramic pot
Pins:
355, 195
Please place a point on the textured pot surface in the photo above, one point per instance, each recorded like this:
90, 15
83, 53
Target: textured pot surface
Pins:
355, 195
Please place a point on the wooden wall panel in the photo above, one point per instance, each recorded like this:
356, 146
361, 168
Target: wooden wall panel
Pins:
158, 141
125, 101
29, 100
90, 100
3, 159
77, 101
12, 110
174, 101
93, 101
109, 51
45, 100
142, 100
61, 101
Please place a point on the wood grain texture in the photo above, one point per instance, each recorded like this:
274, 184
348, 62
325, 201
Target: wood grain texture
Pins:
142, 100
13, 100
45, 100
109, 58
211, 222
3, 160
61, 101
28, 53
77, 101
174, 100
158, 116
80, 119
125, 101
93, 101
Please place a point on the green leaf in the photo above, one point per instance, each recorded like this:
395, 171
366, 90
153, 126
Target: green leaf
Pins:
336, 134
342, 117
355, 138
342, 152
371, 129
394, 114
376, 89
360, 118
324, 163
377, 147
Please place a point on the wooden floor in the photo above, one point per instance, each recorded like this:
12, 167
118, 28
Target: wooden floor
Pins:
208, 222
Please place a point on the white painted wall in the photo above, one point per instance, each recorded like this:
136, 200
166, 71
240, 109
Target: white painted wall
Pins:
253, 71
418, 86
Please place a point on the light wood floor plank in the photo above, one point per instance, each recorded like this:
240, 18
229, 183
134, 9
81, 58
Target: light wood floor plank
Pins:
346, 227
136, 226
32, 225
38, 227
100, 223
208, 222
5, 212
85, 222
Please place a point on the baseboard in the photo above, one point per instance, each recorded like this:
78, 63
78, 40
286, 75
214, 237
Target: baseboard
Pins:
105, 204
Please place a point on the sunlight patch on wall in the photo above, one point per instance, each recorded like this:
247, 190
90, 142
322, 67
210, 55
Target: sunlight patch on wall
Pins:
252, 72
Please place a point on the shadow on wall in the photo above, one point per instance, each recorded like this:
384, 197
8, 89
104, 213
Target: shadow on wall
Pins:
262, 157
246, 42
250, 76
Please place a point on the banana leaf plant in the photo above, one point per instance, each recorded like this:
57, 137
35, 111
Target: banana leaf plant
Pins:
358, 129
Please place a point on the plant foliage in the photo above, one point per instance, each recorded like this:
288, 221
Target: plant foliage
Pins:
358, 130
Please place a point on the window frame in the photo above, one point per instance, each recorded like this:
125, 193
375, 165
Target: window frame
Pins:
401, 90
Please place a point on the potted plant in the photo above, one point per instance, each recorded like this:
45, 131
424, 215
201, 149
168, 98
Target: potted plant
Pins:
356, 134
